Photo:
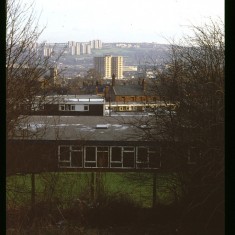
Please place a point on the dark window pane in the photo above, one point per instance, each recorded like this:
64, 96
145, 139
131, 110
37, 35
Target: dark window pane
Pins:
116, 154
102, 159
142, 155
103, 149
90, 154
128, 159
131, 149
76, 147
116, 165
76, 159
64, 153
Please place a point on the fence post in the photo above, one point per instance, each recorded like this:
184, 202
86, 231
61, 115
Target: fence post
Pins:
154, 189
93, 185
32, 192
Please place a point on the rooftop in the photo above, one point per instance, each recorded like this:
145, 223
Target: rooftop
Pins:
128, 90
113, 128
92, 99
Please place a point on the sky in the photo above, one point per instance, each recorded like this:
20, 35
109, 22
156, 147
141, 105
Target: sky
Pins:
123, 20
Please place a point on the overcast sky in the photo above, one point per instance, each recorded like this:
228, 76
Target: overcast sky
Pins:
123, 20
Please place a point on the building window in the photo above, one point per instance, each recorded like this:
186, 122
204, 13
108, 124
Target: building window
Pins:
154, 157
76, 156
116, 157
62, 107
90, 157
70, 156
37, 107
67, 107
86, 107
142, 157
64, 156
129, 157
97, 157
148, 157
102, 156
123, 157
142, 160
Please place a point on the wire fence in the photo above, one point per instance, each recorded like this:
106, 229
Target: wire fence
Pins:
92, 187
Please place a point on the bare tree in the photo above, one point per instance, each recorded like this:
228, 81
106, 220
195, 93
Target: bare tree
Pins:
193, 79
25, 62
190, 84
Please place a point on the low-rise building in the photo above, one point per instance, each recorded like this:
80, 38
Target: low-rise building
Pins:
89, 143
66, 105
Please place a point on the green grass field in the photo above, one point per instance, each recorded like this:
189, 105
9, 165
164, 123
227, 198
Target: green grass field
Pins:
67, 187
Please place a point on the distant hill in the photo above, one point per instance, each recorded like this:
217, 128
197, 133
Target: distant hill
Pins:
134, 55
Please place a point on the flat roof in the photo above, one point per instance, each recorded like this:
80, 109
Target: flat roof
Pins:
74, 99
97, 128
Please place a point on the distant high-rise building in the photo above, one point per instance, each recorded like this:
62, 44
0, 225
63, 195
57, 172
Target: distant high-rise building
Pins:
117, 66
72, 50
77, 48
108, 65
47, 51
83, 48
71, 43
88, 49
102, 65
96, 44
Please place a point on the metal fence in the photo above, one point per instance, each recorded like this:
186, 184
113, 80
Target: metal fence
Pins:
144, 189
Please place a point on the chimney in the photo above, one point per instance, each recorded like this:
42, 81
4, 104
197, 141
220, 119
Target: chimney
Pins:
113, 80
106, 91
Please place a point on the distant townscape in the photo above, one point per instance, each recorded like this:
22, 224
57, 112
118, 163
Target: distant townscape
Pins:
86, 60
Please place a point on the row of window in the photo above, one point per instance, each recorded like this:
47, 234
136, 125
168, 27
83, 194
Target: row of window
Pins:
109, 157
73, 107
141, 157
62, 107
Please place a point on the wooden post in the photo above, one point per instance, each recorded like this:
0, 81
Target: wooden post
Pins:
32, 192
154, 189
93, 185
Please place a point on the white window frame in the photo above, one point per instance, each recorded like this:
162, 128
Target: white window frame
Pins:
86, 108
60, 107
121, 162
149, 151
85, 158
71, 150
124, 150
97, 151
111, 155
67, 107
138, 162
